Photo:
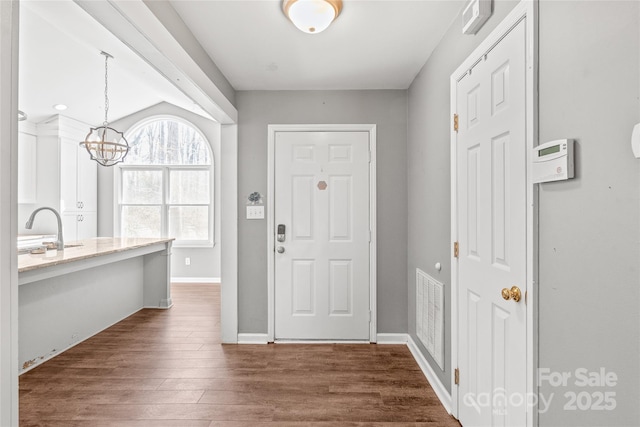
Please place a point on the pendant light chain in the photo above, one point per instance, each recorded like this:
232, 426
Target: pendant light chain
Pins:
106, 87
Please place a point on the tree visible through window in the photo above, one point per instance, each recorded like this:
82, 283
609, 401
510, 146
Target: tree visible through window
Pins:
165, 183
167, 142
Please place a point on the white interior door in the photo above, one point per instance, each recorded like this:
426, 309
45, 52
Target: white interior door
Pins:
322, 262
491, 219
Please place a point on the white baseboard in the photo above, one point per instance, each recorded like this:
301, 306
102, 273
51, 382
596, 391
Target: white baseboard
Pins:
321, 342
195, 280
162, 306
392, 338
253, 339
436, 384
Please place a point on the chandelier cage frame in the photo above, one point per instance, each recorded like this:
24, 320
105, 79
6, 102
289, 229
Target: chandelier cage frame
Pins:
106, 145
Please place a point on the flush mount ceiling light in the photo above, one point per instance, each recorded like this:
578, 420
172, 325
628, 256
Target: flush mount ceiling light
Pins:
312, 16
106, 145
59, 107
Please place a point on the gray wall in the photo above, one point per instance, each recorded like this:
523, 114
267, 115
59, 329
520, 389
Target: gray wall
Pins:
429, 173
589, 227
388, 110
205, 262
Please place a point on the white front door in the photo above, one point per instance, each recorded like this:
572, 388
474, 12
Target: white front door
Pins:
491, 219
322, 258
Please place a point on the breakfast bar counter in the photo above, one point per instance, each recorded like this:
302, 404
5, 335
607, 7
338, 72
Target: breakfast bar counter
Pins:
66, 296
84, 249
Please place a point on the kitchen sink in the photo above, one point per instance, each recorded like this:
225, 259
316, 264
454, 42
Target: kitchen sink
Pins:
72, 245
28, 249
22, 251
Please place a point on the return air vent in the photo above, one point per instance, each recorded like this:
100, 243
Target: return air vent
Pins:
430, 315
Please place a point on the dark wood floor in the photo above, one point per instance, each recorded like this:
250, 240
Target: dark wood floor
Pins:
167, 368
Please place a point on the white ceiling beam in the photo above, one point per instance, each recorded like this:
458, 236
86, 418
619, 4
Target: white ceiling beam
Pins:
135, 24
170, 18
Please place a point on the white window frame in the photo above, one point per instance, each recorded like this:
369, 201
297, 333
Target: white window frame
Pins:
120, 168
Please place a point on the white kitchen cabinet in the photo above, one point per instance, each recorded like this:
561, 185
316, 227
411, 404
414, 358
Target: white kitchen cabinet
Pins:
79, 226
78, 178
70, 227
67, 179
68, 175
87, 224
87, 180
27, 167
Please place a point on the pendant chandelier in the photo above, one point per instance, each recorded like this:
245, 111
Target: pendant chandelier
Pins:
104, 144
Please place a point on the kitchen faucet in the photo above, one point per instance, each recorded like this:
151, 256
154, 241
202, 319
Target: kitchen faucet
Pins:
29, 225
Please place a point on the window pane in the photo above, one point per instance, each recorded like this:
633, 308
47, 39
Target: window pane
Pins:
141, 221
167, 142
141, 187
189, 187
189, 222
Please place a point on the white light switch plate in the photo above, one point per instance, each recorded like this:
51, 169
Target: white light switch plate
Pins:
255, 212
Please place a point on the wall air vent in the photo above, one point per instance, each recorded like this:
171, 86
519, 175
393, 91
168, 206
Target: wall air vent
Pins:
430, 315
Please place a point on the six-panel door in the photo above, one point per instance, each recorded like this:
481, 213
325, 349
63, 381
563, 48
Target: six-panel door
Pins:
322, 266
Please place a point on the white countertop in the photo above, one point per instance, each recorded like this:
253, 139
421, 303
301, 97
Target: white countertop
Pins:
89, 248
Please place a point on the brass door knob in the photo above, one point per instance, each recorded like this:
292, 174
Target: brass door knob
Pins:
513, 293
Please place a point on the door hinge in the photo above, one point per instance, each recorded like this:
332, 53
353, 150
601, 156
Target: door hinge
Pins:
370, 234
370, 156
369, 316
455, 122
456, 249
456, 376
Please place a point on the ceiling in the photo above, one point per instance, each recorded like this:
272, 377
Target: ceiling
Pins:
60, 63
374, 44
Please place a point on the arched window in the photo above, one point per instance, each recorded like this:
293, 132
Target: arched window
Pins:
165, 183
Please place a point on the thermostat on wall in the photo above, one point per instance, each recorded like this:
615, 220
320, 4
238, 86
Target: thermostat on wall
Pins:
552, 161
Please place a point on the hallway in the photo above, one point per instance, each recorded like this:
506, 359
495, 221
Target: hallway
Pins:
167, 368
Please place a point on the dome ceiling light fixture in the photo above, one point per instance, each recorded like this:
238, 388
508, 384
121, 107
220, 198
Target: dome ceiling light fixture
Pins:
312, 16
104, 144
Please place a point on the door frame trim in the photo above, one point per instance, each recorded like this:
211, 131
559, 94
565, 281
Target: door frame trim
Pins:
272, 130
525, 10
